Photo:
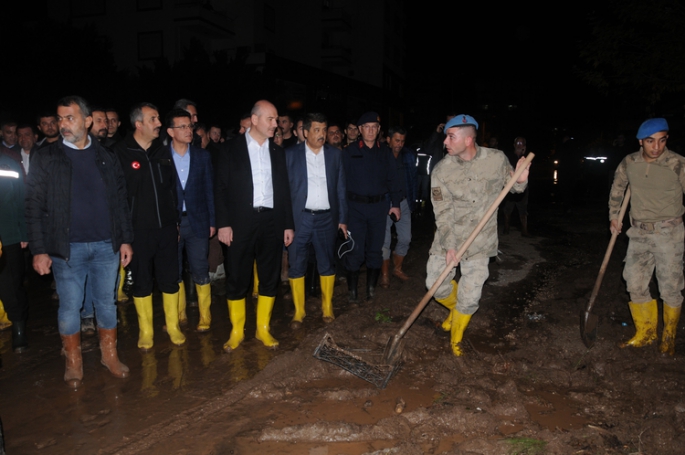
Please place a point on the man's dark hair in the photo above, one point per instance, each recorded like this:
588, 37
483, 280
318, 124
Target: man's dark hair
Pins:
111, 109
396, 130
44, 114
201, 126
136, 114
245, 115
79, 101
184, 103
339, 125
311, 118
352, 122
290, 117
27, 125
214, 125
175, 113
8, 123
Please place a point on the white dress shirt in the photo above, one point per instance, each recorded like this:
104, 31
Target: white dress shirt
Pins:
260, 162
317, 190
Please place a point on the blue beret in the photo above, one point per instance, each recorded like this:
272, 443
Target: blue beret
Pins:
369, 117
651, 126
461, 120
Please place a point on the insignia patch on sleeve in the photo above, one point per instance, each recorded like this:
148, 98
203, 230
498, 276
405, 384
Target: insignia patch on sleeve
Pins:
436, 193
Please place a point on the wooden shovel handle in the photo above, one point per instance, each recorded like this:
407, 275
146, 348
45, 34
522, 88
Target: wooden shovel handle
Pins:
426, 298
607, 255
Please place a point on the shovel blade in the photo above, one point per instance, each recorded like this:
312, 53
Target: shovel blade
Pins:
393, 350
588, 328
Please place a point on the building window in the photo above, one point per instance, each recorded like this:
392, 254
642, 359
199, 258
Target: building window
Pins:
150, 45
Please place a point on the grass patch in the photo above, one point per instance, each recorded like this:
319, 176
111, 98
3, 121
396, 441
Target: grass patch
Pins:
526, 446
383, 315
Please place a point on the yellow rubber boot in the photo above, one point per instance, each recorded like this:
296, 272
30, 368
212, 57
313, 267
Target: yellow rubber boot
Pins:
645, 317
459, 324
449, 302
121, 295
327, 285
265, 306
297, 289
671, 317
236, 313
5, 323
182, 316
204, 301
255, 281
170, 302
145, 329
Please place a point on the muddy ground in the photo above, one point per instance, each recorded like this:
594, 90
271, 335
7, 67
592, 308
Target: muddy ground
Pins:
526, 385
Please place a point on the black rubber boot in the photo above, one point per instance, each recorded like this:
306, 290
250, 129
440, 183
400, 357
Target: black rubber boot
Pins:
352, 282
371, 282
19, 342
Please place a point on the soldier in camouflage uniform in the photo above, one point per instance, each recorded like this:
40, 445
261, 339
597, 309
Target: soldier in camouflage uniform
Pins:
463, 186
657, 181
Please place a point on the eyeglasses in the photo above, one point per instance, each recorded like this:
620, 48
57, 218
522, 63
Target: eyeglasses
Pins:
182, 127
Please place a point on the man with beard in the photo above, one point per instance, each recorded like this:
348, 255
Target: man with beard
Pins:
47, 125
151, 187
255, 219
79, 225
99, 127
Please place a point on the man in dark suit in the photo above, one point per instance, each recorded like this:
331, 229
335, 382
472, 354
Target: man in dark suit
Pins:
255, 219
195, 189
317, 189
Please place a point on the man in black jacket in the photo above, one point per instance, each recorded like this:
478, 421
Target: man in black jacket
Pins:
151, 187
254, 217
78, 224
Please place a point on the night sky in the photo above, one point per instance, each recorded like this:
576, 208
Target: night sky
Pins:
514, 67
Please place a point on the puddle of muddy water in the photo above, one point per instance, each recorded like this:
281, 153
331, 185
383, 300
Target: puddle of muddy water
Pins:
555, 412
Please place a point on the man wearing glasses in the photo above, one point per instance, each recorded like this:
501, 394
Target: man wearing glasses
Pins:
371, 174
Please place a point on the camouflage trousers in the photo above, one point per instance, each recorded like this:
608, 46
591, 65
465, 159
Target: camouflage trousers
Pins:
474, 272
661, 249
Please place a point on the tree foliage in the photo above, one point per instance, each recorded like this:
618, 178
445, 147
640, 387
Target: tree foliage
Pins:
637, 48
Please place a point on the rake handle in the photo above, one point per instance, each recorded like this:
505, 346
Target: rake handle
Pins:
607, 255
479, 227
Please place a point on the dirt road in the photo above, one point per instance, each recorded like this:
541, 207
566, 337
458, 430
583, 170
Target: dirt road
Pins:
526, 384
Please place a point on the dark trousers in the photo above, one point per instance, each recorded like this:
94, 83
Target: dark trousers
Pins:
366, 222
317, 232
12, 292
155, 254
259, 242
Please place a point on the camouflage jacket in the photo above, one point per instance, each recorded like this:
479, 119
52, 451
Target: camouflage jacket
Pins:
461, 193
656, 187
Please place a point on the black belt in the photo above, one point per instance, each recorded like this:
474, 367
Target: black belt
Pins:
316, 212
365, 199
261, 209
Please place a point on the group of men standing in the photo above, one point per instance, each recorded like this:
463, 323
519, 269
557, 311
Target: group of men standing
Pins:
91, 210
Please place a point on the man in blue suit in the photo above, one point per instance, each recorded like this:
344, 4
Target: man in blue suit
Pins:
318, 194
195, 189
